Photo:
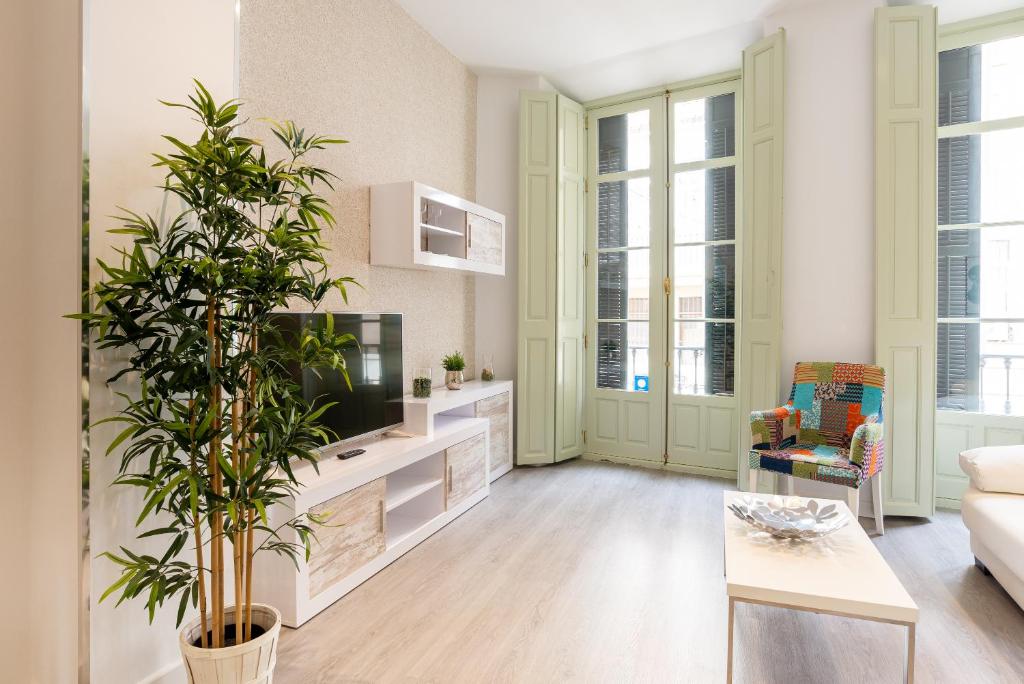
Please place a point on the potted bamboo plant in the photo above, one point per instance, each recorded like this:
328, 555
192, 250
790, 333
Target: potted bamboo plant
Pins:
216, 423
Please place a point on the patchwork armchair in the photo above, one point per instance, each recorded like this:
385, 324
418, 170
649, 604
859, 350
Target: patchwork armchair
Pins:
830, 430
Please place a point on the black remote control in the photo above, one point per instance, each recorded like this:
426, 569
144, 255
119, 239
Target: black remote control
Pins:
344, 455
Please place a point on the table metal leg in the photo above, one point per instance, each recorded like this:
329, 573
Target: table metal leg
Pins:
911, 639
732, 612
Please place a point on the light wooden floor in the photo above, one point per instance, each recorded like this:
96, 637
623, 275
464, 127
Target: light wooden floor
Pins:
595, 572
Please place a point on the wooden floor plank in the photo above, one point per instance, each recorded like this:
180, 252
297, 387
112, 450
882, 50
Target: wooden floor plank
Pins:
594, 572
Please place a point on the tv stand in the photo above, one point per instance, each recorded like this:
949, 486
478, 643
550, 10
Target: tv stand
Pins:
491, 400
385, 502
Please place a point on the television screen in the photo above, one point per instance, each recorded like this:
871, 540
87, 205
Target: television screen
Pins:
374, 367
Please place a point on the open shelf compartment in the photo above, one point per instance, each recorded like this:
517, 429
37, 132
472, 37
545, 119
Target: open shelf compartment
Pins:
414, 496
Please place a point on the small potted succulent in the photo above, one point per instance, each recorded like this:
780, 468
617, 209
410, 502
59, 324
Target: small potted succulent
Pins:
454, 364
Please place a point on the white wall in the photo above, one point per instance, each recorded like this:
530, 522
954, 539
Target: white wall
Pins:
15, 577
139, 52
40, 190
828, 211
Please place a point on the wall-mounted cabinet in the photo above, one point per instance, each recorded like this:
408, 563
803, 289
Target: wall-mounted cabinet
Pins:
413, 225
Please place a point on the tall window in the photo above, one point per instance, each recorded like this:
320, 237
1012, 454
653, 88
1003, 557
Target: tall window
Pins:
980, 353
703, 214
623, 251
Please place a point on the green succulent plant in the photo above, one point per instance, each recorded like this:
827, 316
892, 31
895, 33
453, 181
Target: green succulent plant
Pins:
454, 362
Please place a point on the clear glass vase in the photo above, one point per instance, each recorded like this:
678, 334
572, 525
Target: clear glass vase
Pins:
421, 383
487, 368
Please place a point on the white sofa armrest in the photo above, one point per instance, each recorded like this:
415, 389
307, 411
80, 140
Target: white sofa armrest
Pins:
995, 469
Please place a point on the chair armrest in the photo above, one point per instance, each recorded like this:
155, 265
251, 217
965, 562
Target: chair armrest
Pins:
867, 447
768, 428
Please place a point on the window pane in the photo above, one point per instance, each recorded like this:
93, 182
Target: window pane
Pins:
623, 285
704, 129
704, 205
981, 82
702, 358
957, 366
959, 273
981, 272
624, 142
981, 367
624, 213
1002, 272
980, 177
708, 273
622, 356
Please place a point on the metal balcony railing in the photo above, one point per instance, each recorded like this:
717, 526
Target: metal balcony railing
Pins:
685, 357
1006, 362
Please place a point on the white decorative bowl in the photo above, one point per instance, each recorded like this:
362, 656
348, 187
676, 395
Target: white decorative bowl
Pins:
789, 517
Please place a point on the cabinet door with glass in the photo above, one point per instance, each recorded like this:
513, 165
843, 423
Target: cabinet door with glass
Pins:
702, 253
626, 350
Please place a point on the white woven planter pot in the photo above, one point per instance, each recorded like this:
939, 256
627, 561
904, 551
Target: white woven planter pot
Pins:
249, 663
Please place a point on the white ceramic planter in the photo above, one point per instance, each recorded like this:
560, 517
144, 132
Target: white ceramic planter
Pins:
249, 663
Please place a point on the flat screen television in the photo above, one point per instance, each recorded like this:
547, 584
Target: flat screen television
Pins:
374, 404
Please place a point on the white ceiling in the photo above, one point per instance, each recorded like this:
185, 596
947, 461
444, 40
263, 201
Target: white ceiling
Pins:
593, 48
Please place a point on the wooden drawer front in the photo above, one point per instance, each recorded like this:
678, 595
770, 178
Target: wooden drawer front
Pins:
495, 409
352, 537
483, 243
465, 472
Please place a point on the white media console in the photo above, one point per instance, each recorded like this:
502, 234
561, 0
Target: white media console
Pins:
389, 499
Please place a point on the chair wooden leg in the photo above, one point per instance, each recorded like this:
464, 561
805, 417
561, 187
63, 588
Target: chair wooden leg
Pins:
752, 487
853, 501
876, 503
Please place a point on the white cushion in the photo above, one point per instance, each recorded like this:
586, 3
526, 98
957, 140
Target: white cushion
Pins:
995, 469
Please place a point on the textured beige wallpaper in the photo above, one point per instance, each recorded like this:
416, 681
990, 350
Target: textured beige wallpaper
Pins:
365, 71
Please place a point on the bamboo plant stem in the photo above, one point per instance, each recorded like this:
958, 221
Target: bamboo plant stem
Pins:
250, 517
197, 529
216, 539
237, 535
240, 542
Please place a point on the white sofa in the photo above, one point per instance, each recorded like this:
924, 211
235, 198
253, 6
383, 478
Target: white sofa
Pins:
993, 511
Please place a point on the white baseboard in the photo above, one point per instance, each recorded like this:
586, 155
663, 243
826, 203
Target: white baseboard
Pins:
171, 673
657, 465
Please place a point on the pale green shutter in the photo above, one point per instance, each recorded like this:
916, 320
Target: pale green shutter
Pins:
761, 307
905, 258
552, 165
571, 227
538, 170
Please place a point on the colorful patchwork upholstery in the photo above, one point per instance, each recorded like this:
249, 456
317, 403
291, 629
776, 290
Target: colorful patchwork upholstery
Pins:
831, 428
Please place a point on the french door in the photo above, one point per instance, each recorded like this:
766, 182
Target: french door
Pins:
662, 232
626, 203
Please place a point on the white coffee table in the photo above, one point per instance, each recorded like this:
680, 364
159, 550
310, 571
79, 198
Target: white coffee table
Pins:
841, 574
